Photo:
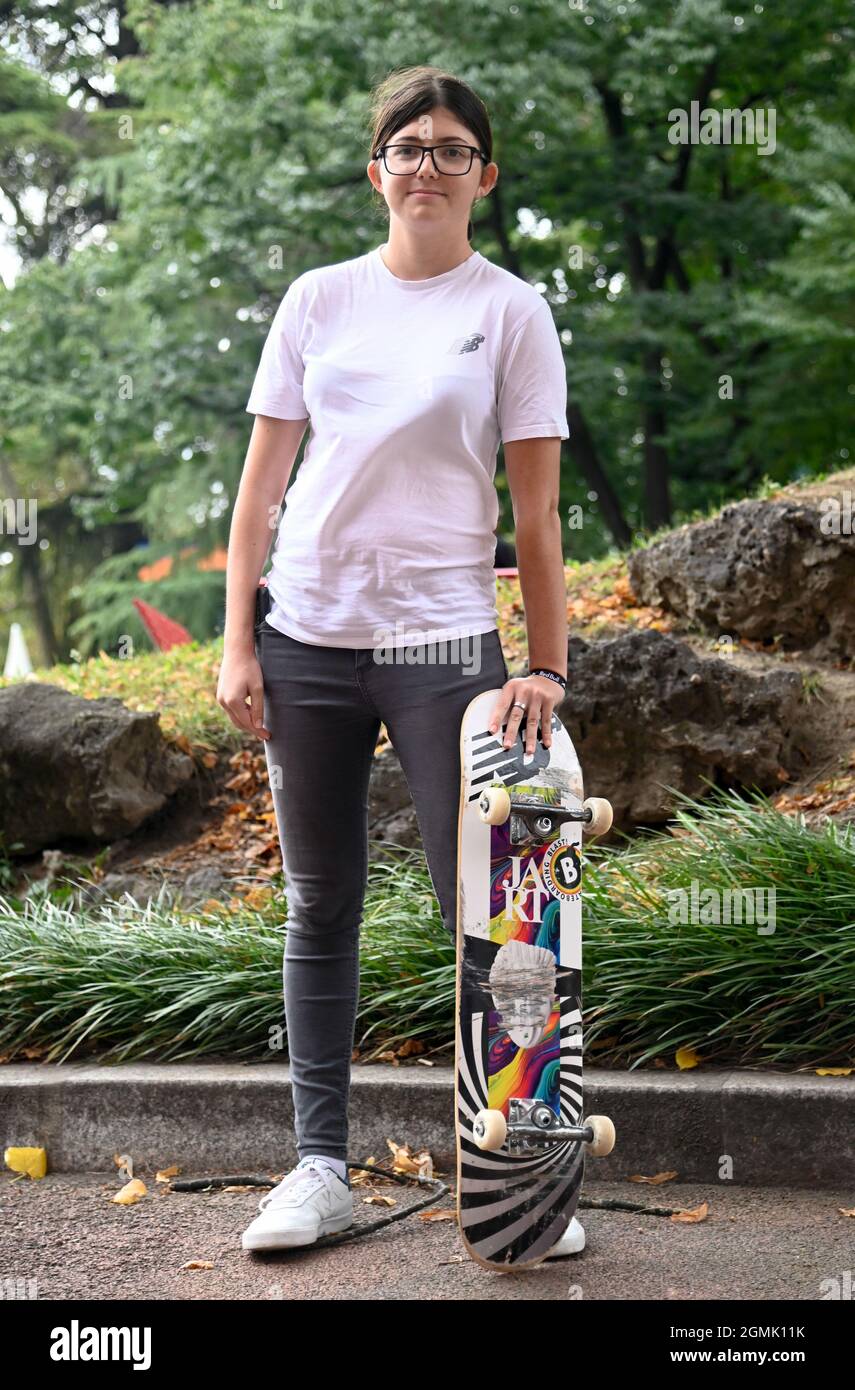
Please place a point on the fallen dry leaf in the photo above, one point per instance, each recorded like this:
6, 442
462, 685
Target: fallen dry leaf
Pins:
655, 1180
198, 1264
31, 1161
380, 1201
407, 1162
166, 1173
437, 1215
686, 1057
692, 1215
130, 1193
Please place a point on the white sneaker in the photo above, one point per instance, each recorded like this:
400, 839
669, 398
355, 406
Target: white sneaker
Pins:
309, 1202
572, 1241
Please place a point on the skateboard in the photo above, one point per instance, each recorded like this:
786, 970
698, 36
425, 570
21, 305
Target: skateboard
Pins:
521, 1141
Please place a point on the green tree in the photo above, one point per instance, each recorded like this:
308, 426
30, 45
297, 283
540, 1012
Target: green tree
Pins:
700, 289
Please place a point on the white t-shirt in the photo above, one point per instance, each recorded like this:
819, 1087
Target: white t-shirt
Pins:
387, 532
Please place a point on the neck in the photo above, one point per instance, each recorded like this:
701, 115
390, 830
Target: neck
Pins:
416, 258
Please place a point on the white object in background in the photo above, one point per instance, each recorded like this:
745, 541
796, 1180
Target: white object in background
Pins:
17, 656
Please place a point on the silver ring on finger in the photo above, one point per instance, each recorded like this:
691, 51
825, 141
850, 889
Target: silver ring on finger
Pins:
518, 705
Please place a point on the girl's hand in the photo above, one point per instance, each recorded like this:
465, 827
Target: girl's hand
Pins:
540, 695
241, 679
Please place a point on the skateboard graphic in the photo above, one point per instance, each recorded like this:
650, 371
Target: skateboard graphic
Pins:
521, 1139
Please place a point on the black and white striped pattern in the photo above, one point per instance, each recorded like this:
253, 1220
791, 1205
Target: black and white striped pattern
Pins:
513, 1209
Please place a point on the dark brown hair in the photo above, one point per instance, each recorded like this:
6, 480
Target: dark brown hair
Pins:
412, 92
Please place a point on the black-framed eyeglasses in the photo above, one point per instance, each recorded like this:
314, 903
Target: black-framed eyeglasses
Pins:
448, 158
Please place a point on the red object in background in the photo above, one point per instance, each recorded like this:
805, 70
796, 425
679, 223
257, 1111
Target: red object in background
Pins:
164, 632
507, 573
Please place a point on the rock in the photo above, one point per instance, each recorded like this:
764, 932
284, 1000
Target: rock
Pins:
193, 890
643, 709
761, 569
202, 885
77, 769
141, 888
391, 813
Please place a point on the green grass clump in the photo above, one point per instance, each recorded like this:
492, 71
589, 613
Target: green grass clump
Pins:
664, 968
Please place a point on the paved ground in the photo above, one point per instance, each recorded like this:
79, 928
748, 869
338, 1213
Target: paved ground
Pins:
756, 1244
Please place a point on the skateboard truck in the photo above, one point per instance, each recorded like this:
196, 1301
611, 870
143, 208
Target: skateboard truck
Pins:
542, 820
532, 1124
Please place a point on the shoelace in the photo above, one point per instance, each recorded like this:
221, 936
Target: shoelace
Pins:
308, 1180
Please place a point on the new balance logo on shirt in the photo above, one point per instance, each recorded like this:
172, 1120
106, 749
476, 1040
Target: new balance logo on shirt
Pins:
470, 344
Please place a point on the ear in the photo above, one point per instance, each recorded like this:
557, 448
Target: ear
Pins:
489, 178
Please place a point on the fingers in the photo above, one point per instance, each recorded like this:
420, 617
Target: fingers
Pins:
538, 710
531, 716
497, 715
546, 727
505, 708
256, 709
247, 716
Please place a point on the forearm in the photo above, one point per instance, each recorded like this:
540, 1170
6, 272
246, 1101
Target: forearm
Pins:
269, 461
249, 542
544, 590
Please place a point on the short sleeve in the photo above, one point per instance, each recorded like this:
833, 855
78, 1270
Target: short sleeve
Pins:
532, 389
278, 386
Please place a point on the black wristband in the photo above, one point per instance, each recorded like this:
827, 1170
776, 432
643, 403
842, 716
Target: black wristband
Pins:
550, 675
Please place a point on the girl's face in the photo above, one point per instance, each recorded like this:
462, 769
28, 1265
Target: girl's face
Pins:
428, 197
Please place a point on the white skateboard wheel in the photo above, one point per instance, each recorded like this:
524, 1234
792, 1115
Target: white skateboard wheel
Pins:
489, 1129
604, 1135
601, 815
494, 805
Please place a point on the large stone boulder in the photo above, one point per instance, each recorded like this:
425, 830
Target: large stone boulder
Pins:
761, 569
77, 769
391, 813
646, 713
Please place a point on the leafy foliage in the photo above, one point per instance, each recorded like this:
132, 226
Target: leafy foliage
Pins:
207, 153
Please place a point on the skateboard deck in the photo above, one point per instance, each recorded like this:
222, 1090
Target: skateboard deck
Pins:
518, 1045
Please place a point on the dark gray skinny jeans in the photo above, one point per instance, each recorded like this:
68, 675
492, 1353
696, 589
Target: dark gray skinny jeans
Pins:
323, 707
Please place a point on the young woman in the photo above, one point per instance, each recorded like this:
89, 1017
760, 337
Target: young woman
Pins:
410, 363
